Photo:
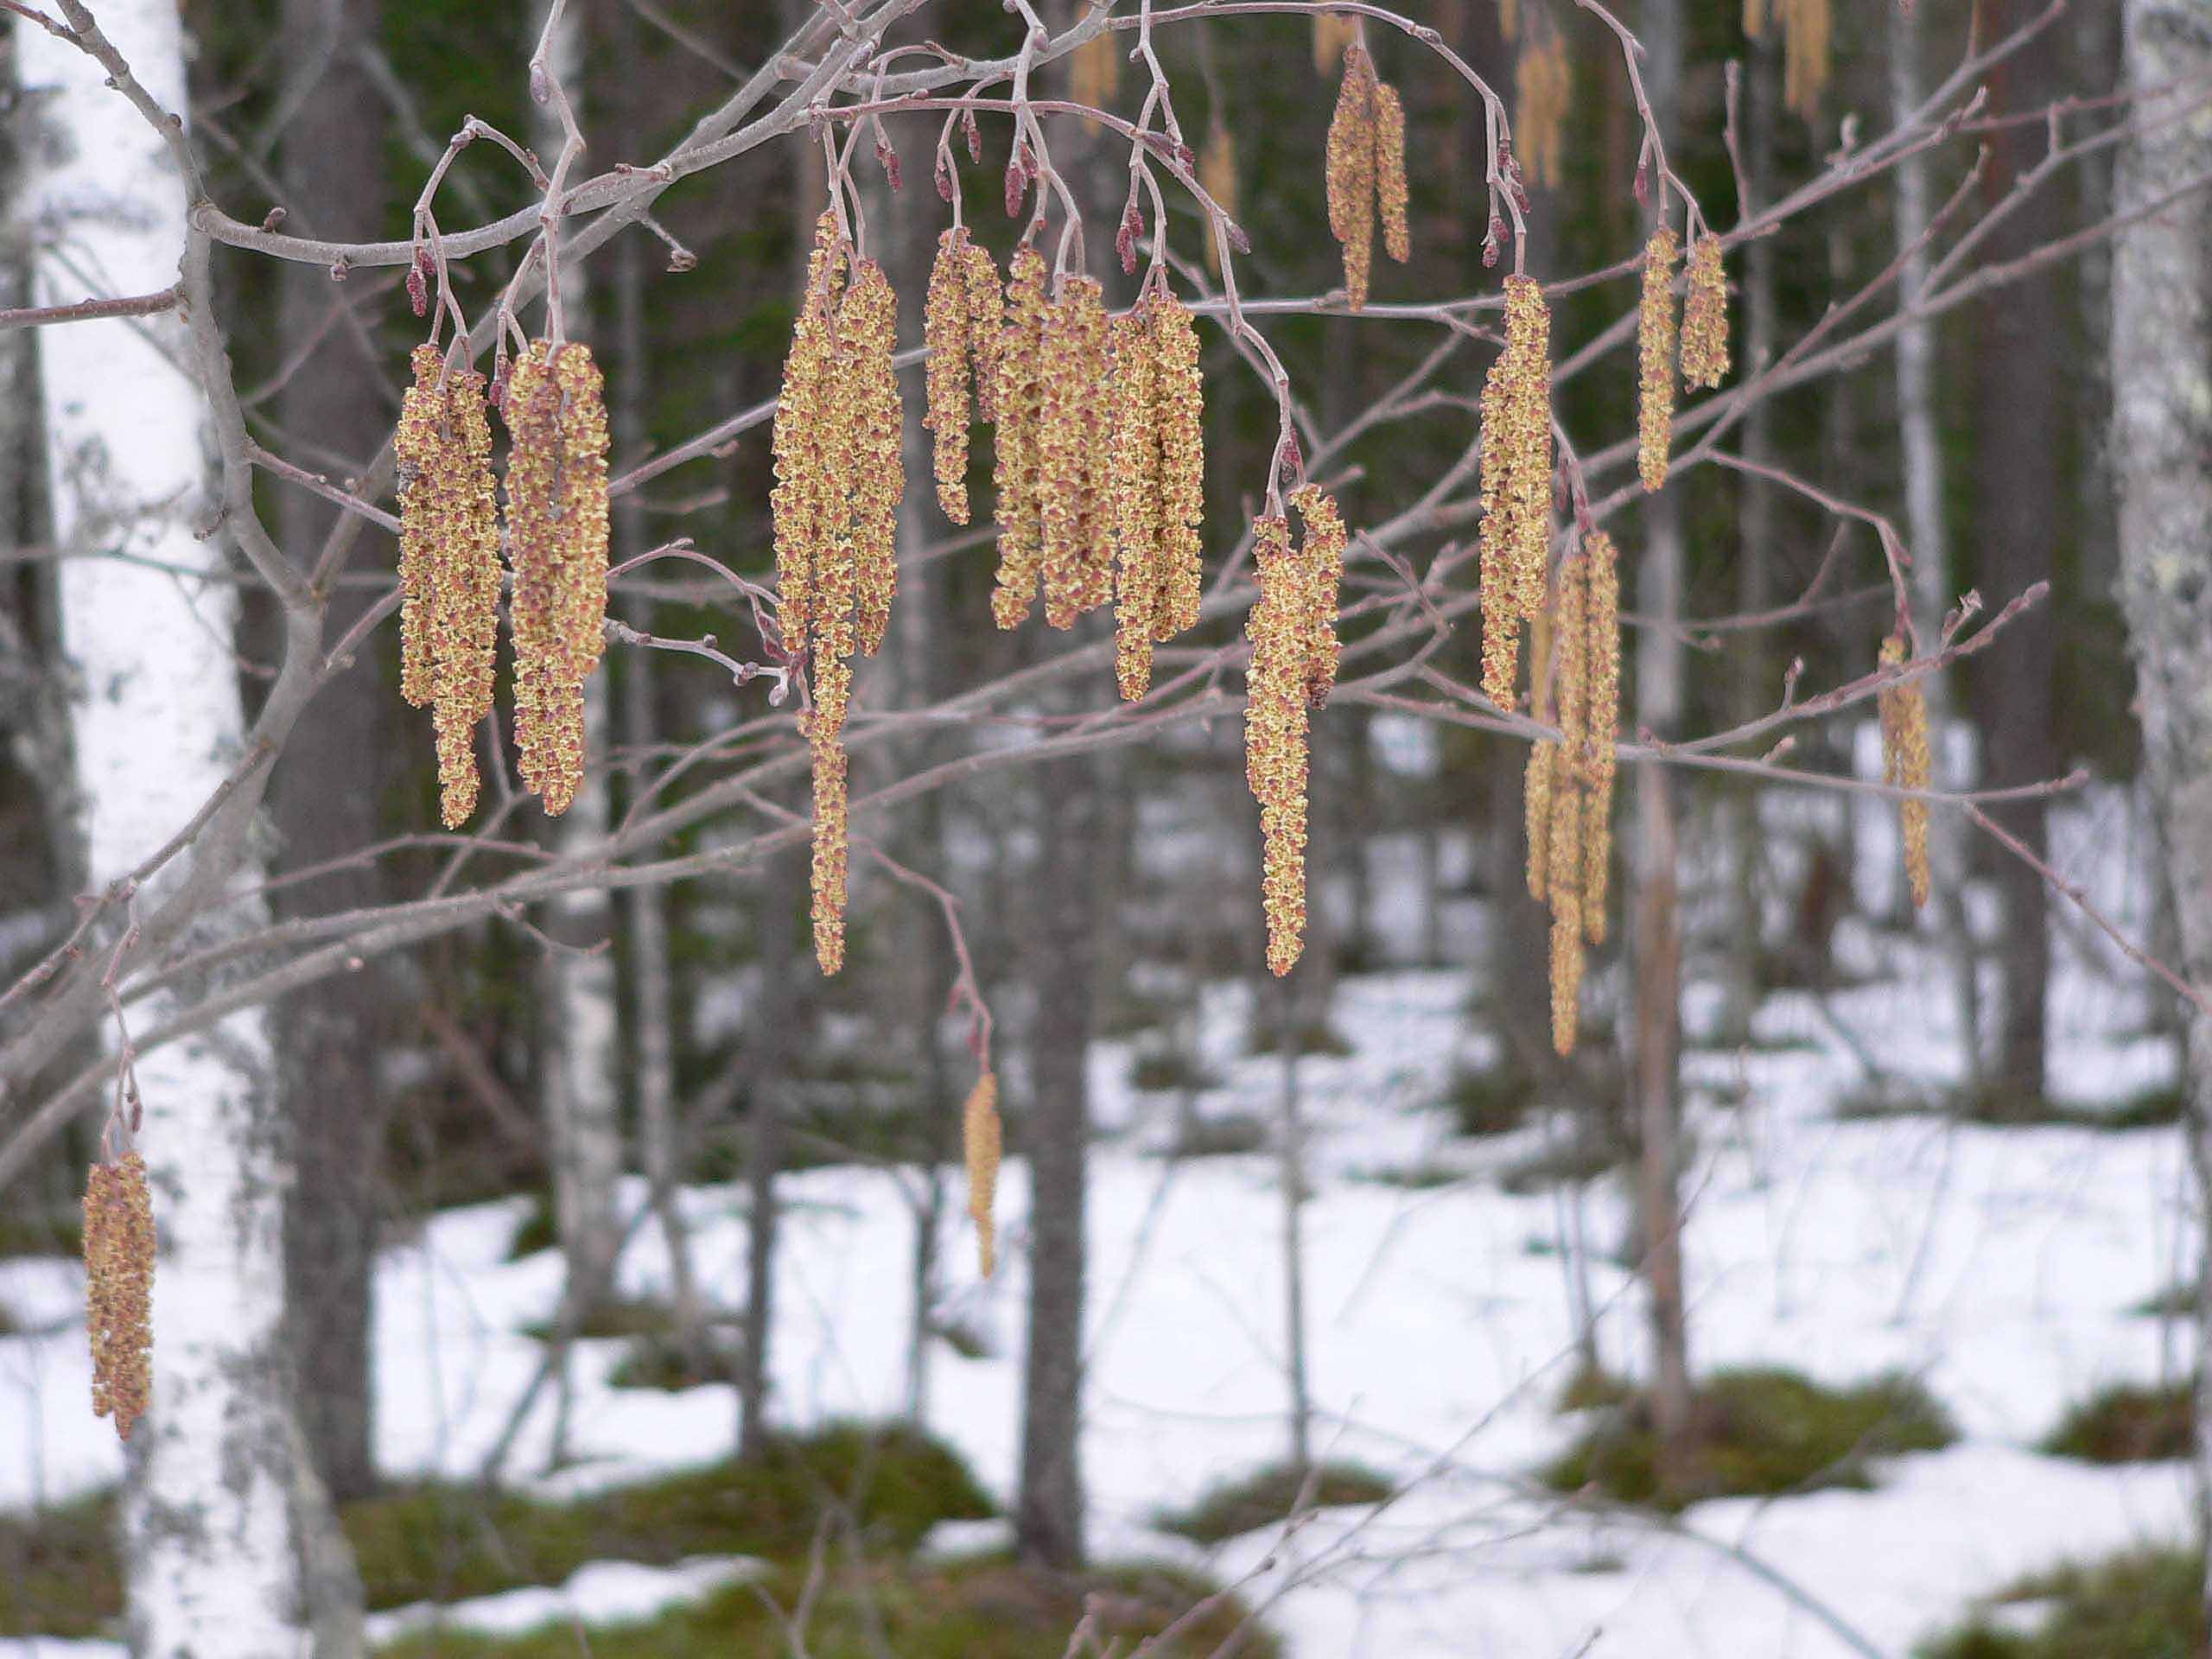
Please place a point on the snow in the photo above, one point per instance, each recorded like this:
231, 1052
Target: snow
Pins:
1999, 1267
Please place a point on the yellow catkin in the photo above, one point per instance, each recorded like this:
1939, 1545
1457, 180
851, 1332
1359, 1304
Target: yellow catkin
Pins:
1754, 18
1705, 317
1020, 401
119, 1249
810, 479
1807, 27
449, 566
1391, 199
1601, 717
1908, 763
984, 1140
1509, 18
986, 318
1544, 84
1134, 491
1564, 842
1536, 788
557, 547
1349, 174
1095, 74
832, 832
1655, 346
1516, 485
867, 325
1179, 409
1217, 178
946, 333
1276, 721
1331, 35
1322, 562
1077, 539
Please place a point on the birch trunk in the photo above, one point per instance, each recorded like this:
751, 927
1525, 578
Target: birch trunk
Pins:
209, 1532
2162, 387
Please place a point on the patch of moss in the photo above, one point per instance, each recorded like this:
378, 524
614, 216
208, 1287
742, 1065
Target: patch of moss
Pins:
1496, 1102
58, 1570
983, 1607
2127, 1423
1315, 1036
2174, 1302
1225, 1135
1158, 1070
1424, 1177
56, 1233
622, 1317
1593, 1387
1998, 1107
656, 1359
1575, 1161
536, 1231
1754, 1433
2146, 1604
1270, 1495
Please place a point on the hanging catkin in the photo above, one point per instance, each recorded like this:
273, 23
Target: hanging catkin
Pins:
983, 1137
1536, 788
947, 332
867, 326
1516, 485
1907, 762
1364, 174
1076, 533
1020, 401
1564, 842
119, 1248
1705, 317
1655, 347
1156, 489
1543, 84
827, 875
810, 448
557, 547
448, 566
1601, 714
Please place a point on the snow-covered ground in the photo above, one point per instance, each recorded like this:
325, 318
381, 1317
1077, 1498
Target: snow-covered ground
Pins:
1999, 1266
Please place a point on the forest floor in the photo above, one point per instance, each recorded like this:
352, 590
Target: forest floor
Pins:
2005, 1269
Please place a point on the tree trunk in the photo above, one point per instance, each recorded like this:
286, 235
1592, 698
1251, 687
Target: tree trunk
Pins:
329, 1037
2020, 433
210, 1536
2162, 383
783, 957
1921, 439
1291, 1171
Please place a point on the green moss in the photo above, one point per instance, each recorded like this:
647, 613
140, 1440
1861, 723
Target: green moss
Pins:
1157, 1071
2128, 1424
1575, 1161
1268, 1496
1426, 1176
622, 1317
2146, 1603
58, 1571
1315, 1036
1594, 1389
979, 1608
56, 1233
2174, 1302
1496, 1102
442, 1544
1754, 1433
536, 1231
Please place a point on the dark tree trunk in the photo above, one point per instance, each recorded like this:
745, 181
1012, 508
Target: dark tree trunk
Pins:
322, 803
783, 957
2020, 435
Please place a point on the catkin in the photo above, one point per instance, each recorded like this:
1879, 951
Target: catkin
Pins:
1516, 485
1655, 346
982, 1138
1321, 560
1077, 535
1601, 714
867, 325
1156, 492
1020, 401
1808, 26
946, 333
557, 547
1544, 86
986, 320
1391, 199
832, 831
1365, 172
811, 469
1564, 843
1095, 72
1907, 763
1217, 178
119, 1248
1705, 317
449, 566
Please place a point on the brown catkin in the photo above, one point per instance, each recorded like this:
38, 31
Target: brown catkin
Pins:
119, 1248
1655, 346
1180, 406
1564, 841
810, 477
1908, 763
1705, 317
1808, 26
557, 547
1601, 715
1020, 401
1516, 485
1351, 172
986, 319
982, 1139
1536, 788
831, 838
449, 566
1276, 720
946, 333
1544, 86
867, 325
1134, 491
1391, 199
1077, 545
1321, 561
1217, 178
1095, 74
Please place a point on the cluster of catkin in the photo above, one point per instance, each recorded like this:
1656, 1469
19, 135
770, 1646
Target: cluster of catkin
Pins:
1570, 783
983, 1141
1516, 486
120, 1289
1157, 482
1366, 171
555, 413
839, 481
1293, 629
960, 323
557, 529
448, 566
1907, 762
1699, 348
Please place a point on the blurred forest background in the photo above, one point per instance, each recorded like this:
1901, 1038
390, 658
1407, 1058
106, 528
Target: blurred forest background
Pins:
653, 1068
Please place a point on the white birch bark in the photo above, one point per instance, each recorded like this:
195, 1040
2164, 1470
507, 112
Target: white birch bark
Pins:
157, 724
2161, 391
